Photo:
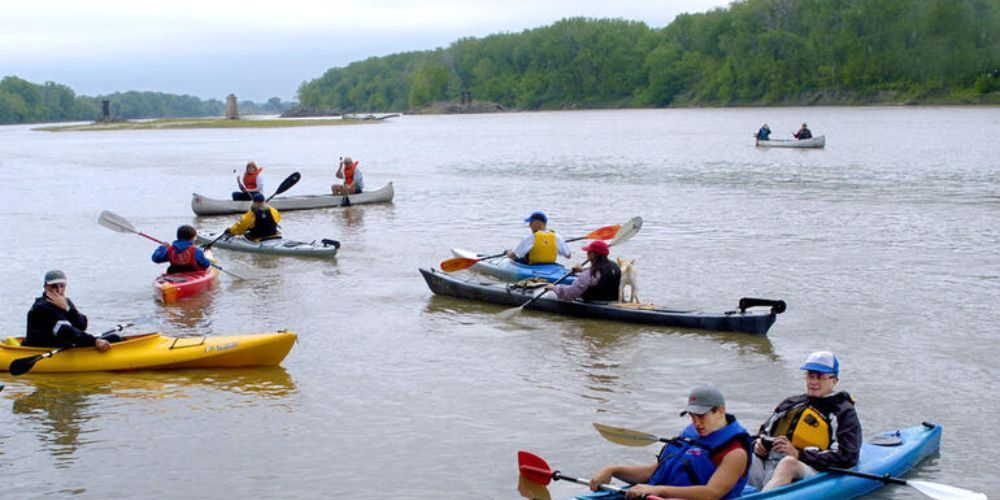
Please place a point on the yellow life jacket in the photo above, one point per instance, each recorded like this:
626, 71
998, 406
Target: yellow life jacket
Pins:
544, 250
804, 426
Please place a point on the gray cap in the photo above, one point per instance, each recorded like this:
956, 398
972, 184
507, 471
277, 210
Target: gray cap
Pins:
54, 277
702, 399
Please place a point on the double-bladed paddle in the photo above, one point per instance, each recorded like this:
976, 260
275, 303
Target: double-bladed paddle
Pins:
120, 224
21, 366
285, 185
629, 437
628, 231
535, 471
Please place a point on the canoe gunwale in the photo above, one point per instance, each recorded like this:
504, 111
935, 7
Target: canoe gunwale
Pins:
204, 206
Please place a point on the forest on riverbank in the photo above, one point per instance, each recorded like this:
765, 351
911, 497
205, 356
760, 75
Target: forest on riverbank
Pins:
755, 52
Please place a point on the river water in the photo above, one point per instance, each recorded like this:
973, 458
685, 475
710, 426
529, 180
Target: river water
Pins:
884, 245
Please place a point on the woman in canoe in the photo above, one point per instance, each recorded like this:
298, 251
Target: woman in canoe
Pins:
541, 246
182, 254
259, 223
54, 321
810, 431
803, 133
252, 182
710, 458
599, 282
353, 181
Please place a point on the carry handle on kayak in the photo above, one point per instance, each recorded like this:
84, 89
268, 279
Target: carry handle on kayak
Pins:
777, 306
173, 345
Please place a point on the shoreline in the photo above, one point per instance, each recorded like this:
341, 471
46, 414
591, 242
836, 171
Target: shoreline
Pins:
199, 123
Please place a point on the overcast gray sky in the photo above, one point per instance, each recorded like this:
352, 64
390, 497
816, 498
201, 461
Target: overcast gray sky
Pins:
259, 48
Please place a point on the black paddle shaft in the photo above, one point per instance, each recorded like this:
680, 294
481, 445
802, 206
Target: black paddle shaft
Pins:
875, 477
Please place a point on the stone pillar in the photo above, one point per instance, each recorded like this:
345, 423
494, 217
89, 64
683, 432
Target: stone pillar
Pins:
232, 110
105, 110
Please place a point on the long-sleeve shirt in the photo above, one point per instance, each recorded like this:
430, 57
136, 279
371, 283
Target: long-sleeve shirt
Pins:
525, 245
839, 409
584, 280
161, 254
50, 326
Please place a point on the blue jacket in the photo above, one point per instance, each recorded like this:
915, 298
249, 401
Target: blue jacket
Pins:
160, 254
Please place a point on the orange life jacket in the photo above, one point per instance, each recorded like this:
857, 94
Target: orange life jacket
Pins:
349, 172
250, 180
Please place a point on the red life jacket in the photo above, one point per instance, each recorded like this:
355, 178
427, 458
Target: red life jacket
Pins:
250, 180
182, 262
349, 172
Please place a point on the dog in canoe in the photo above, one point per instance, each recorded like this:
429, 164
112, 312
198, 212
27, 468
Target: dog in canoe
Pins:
629, 279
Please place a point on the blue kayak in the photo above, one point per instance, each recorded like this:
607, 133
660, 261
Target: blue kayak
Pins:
511, 271
892, 452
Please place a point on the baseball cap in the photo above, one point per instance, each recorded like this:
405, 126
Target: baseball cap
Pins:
597, 246
702, 399
55, 277
823, 362
537, 215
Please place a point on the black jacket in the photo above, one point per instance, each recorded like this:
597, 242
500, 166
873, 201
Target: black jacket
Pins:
50, 326
838, 408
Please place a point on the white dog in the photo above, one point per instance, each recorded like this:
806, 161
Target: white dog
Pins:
629, 279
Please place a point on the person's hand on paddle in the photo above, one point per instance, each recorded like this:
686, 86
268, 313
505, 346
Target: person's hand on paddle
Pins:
577, 269
603, 476
759, 449
227, 233
57, 299
510, 254
640, 491
101, 345
784, 446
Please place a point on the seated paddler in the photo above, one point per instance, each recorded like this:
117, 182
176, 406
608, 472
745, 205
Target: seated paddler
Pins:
260, 223
598, 282
182, 254
541, 246
54, 321
709, 459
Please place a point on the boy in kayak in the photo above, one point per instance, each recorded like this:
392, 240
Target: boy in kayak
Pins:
598, 282
541, 246
803, 133
182, 254
259, 223
810, 431
708, 460
252, 182
54, 321
354, 183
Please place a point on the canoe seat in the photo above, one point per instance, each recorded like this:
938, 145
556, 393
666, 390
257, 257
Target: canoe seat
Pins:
14, 341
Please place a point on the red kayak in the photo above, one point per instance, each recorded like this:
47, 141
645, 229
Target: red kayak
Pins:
170, 287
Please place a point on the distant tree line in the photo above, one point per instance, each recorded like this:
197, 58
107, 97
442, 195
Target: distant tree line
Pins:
753, 52
22, 101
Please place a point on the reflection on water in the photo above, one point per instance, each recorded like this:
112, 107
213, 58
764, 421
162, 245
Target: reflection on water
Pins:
192, 315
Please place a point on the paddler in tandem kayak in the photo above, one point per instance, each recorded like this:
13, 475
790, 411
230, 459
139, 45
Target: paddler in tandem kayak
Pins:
251, 182
182, 254
541, 246
54, 321
259, 223
810, 431
599, 282
709, 459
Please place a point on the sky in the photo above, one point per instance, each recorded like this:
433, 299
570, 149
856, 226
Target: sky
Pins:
260, 49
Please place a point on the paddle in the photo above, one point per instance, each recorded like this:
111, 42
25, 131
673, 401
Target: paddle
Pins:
285, 185
537, 471
346, 202
120, 224
629, 437
23, 365
458, 263
628, 231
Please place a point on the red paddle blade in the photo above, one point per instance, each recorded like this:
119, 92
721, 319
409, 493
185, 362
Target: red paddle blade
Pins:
604, 233
533, 467
457, 264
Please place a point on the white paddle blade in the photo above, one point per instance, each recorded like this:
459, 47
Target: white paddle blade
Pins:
510, 313
116, 222
628, 230
625, 437
945, 492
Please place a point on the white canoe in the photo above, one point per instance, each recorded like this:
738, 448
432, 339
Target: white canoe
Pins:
815, 142
323, 248
203, 205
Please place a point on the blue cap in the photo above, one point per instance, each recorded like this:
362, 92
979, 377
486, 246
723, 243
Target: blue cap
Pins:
823, 362
537, 215
258, 197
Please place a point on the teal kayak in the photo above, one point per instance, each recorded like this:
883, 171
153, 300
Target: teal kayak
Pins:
505, 269
888, 453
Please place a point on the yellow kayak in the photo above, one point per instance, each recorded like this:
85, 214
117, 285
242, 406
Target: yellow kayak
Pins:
152, 351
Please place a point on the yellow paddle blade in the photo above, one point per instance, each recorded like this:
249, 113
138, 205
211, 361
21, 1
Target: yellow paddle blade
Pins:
457, 264
529, 489
626, 437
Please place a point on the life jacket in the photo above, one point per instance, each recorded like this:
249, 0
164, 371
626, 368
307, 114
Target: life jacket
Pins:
606, 289
250, 180
687, 459
182, 261
804, 426
349, 172
544, 250
264, 226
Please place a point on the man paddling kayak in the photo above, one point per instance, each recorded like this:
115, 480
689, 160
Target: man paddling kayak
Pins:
541, 246
598, 282
259, 223
182, 255
808, 432
54, 321
708, 460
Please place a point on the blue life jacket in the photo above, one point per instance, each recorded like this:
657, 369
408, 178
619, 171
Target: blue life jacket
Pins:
687, 459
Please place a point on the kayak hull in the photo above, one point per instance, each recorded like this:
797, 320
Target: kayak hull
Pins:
281, 246
917, 444
169, 288
749, 321
505, 269
815, 142
203, 205
153, 351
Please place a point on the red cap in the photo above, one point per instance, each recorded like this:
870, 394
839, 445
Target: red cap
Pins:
597, 246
